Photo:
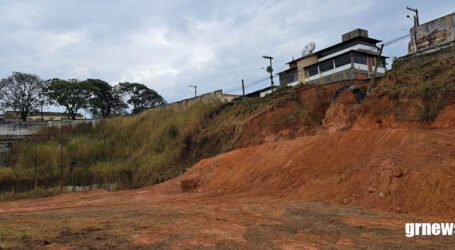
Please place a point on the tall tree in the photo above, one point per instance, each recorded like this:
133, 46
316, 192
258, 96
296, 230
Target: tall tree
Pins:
21, 92
71, 94
106, 99
141, 97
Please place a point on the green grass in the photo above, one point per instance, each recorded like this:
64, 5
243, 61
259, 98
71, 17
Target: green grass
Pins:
130, 151
34, 193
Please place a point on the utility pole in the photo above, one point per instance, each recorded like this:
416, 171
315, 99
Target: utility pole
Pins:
416, 23
378, 60
61, 157
243, 88
270, 70
195, 91
35, 161
416, 17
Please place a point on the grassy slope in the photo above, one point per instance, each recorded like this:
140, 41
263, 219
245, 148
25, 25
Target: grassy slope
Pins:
130, 151
140, 150
160, 144
414, 94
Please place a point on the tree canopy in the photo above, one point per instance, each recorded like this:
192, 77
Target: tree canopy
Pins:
21, 92
71, 94
140, 96
26, 93
106, 100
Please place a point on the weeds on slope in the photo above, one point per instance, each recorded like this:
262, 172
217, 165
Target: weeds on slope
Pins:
427, 87
129, 151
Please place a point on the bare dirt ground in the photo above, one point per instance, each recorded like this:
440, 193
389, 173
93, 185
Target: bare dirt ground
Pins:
336, 189
205, 222
282, 195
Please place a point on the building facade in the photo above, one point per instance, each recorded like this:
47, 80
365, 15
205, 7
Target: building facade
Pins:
354, 57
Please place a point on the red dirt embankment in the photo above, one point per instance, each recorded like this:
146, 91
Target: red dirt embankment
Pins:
404, 170
408, 168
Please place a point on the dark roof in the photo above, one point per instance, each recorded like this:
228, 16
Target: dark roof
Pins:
300, 58
291, 69
360, 38
368, 52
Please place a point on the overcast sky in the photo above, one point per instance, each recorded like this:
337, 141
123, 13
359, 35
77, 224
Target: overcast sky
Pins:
169, 45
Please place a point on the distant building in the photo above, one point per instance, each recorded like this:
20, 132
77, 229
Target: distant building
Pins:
353, 58
38, 116
262, 92
432, 34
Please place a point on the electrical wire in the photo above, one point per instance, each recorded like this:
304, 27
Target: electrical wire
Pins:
395, 40
247, 85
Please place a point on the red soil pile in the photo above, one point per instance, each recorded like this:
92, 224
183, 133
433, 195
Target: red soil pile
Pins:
301, 113
404, 170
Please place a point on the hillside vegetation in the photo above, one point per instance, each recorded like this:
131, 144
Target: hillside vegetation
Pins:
414, 94
129, 151
159, 144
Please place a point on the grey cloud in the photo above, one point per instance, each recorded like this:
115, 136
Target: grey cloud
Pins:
171, 44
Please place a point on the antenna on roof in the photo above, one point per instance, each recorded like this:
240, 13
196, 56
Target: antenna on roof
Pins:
309, 48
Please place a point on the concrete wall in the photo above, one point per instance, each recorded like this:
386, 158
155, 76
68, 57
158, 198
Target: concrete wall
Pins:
425, 56
346, 72
432, 34
11, 131
5, 152
305, 62
349, 74
210, 97
353, 34
18, 129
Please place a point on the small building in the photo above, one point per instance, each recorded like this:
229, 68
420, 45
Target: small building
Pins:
40, 116
261, 92
354, 57
432, 34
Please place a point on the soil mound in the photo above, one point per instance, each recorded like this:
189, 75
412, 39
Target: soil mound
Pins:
403, 170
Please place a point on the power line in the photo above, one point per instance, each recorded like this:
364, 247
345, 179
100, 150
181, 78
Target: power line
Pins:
395, 40
247, 85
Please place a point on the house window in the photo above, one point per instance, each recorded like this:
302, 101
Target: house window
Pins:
382, 63
326, 66
342, 60
313, 70
290, 78
361, 59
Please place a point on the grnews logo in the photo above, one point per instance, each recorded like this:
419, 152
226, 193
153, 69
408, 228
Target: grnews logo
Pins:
428, 229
